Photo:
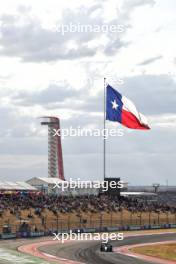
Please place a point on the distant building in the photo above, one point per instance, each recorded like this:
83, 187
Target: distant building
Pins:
152, 188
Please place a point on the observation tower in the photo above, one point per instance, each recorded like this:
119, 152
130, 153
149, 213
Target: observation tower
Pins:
55, 159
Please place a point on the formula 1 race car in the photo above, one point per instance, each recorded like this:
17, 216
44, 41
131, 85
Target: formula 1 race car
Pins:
106, 247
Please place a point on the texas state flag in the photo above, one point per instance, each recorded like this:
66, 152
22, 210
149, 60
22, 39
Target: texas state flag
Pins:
122, 110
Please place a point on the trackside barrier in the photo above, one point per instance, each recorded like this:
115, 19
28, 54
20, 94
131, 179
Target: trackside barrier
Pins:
146, 227
111, 229
89, 230
77, 230
8, 236
156, 226
172, 225
85, 230
61, 231
23, 234
36, 234
132, 228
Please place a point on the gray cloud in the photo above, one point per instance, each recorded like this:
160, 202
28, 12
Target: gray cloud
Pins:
130, 4
24, 37
15, 125
151, 60
158, 92
138, 157
55, 93
153, 94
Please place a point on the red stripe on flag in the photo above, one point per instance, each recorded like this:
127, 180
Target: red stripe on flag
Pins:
129, 120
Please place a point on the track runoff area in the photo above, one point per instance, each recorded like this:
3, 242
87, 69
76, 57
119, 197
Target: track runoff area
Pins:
47, 250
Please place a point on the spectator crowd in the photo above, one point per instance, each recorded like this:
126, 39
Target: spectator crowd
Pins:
17, 201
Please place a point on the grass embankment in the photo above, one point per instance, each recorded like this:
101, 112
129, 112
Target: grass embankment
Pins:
165, 251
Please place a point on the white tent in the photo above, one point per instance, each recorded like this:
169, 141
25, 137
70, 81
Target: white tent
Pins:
46, 184
16, 186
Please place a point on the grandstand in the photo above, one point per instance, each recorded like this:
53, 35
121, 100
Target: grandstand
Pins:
36, 211
34, 207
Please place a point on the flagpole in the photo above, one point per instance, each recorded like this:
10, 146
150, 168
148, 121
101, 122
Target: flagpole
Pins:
104, 140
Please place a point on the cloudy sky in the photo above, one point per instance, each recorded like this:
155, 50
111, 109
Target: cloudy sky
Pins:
46, 72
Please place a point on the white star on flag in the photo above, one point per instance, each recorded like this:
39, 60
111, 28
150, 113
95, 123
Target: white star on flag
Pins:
114, 104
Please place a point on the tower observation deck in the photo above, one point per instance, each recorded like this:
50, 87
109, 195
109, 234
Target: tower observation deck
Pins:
55, 159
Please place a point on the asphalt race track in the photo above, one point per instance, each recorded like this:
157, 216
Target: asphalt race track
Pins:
89, 252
